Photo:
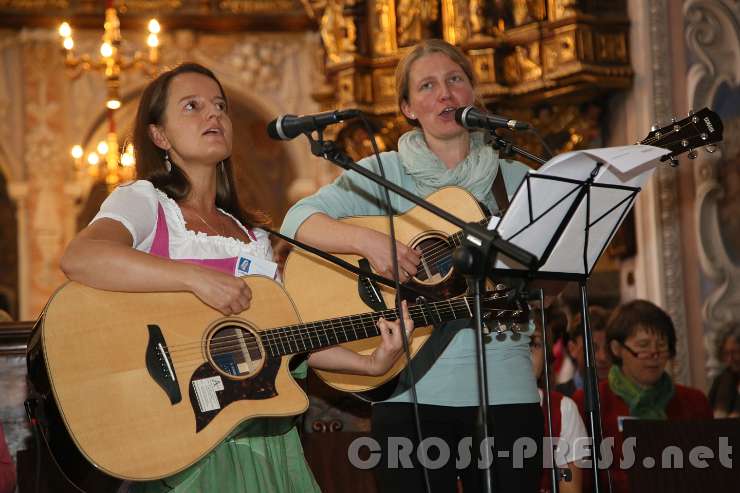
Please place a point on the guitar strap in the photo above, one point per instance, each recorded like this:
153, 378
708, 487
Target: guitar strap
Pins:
498, 188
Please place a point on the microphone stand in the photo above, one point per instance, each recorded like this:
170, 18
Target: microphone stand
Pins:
480, 248
508, 149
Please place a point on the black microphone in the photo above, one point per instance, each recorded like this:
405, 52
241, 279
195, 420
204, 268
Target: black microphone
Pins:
287, 127
471, 117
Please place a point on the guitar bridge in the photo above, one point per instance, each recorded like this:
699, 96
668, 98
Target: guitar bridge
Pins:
160, 365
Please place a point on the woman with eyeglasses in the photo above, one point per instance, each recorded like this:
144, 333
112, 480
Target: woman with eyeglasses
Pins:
641, 340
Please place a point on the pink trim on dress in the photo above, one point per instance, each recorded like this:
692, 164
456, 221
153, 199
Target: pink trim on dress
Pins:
161, 248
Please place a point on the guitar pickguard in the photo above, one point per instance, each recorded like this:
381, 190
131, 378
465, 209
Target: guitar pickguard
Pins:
210, 391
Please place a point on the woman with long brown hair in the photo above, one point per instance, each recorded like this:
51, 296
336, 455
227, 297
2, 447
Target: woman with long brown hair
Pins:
181, 227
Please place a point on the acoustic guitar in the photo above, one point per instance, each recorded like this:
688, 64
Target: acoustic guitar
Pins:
146, 384
342, 292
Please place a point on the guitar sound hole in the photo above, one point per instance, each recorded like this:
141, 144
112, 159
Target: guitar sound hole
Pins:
235, 350
436, 259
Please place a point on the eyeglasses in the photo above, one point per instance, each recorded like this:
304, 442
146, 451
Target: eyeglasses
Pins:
648, 353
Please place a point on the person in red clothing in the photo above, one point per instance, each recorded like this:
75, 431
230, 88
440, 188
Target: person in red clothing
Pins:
7, 468
567, 424
641, 340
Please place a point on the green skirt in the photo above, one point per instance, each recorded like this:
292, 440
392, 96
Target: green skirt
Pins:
262, 455
245, 463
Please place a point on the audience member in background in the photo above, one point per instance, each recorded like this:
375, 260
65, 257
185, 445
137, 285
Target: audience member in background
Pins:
557, 326
597, 318
641, 340
567, 424
724, 395
7, 467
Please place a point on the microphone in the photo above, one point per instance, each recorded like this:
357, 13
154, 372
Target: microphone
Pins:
471, 117
287, 127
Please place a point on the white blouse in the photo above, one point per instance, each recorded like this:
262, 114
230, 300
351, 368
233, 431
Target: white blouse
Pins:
136, 205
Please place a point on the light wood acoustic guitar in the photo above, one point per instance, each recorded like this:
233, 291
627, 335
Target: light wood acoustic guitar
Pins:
340, 292
148, 383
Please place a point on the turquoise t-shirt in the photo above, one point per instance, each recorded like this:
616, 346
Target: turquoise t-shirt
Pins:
452, 379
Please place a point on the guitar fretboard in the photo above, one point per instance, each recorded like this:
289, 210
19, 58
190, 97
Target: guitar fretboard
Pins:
457, 238
282, 341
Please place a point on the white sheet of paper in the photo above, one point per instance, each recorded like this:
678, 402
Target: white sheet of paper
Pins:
540, 205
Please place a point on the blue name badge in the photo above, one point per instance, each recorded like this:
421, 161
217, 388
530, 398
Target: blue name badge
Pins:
251, 266
243, 267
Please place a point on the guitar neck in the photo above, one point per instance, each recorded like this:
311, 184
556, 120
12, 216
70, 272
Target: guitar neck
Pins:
283, 341
456, 238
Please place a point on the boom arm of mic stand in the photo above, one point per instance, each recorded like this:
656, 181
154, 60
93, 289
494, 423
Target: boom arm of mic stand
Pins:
477, 235
501, 143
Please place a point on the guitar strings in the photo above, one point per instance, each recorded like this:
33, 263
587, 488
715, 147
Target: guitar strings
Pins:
339, 322
273, 348
291, 336
277, 345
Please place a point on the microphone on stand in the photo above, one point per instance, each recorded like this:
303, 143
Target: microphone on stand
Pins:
471, 117
287, 127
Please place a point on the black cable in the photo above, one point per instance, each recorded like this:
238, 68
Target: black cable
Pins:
542, 141
394, 256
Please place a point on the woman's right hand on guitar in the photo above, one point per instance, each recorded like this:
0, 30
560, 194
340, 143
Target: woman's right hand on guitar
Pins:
375, 247
228, 294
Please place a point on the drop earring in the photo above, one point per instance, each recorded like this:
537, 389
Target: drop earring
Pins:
167, 162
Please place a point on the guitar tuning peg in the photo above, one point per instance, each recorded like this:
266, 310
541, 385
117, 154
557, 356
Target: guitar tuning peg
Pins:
501, 287
692, 154
711, 148
673, 119
654, 127
674, 161
691, 112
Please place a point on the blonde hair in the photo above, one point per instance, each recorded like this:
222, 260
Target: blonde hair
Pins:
427, 47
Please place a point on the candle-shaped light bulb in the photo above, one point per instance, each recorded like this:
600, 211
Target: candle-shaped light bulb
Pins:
65, 30
77, 151
154, 26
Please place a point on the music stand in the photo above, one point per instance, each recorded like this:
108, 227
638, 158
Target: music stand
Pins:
566, 214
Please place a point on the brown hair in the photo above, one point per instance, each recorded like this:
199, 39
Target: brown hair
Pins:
597, 318
427, 47
627, 319
150, 158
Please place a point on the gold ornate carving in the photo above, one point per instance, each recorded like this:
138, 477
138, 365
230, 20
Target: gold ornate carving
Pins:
526, 11
611, 47
558, 51
414, 17
384, 27
338, 32
147, 5
524, 64
34, 4
518, 53
483, 65
256, 6
385, 84
346, 87
559, 9
455, 19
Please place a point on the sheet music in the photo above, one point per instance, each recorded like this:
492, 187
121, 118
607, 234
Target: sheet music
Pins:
544, 199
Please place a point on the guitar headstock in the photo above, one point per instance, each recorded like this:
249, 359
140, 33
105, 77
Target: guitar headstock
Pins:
502, 309
703, 128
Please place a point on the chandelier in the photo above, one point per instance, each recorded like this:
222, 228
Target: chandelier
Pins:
118, 161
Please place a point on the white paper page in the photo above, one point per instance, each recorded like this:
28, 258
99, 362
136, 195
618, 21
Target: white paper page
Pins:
629, 166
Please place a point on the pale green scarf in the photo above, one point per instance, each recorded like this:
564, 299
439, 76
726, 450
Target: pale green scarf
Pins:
644, 403
475, 173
